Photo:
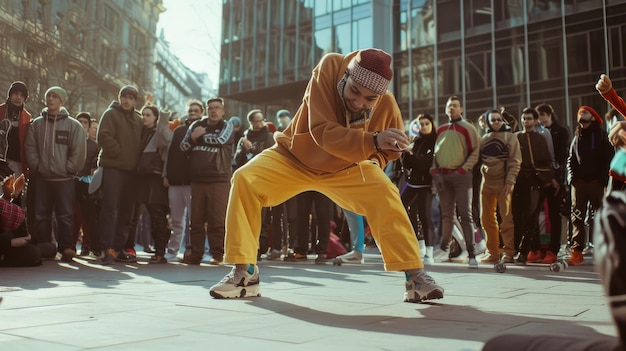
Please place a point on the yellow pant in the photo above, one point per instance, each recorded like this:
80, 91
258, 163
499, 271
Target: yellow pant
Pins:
271, 178
490, 200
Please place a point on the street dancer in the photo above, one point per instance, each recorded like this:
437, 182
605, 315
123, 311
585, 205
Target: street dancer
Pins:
340, 139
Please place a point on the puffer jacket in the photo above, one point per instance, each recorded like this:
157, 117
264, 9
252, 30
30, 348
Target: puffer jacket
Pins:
119, 137
56, 146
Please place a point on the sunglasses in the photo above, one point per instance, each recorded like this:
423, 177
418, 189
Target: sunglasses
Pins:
496, 120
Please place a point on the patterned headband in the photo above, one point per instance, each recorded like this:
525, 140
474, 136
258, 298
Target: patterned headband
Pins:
368, 79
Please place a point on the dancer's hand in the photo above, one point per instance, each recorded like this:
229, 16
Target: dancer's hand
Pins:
393, 139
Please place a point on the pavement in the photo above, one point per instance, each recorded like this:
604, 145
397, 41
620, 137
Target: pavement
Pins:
84, 306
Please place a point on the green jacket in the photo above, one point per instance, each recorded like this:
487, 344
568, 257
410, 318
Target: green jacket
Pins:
119, 136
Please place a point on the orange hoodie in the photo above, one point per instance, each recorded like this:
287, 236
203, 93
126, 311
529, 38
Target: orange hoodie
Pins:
320, 137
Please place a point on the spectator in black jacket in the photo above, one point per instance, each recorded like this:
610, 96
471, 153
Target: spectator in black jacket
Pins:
560, 140
417, 196
86, 209
587, 172
177, 180
209, 144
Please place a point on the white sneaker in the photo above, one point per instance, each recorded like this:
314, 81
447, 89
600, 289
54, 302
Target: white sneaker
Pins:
237, 283
462, 258
428, 257
352, 257
473, 263
441, 255
170, 256
428, 261
480, 247
274, 255
422, 287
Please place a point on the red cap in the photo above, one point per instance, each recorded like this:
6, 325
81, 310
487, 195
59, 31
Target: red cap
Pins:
592, 111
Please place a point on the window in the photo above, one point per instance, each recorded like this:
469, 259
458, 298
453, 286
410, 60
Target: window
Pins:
323, 40
615, 59
423, 74
344, 35
553, 58
39, 11
477, 13
596, 48
448, 19
451, 72
623, 46
110, 19
362, 33
476, 73
322, 7
509, 66
422, 25
577, 53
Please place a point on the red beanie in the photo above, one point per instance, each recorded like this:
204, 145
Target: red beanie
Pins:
592, 111
371, 68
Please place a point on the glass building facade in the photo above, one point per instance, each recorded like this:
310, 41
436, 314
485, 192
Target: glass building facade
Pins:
491, 53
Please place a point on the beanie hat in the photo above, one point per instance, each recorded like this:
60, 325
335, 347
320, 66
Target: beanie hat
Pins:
371, 68
592, 111
84, 115
216, 98
129, 90
61, 93
18, 86
235, 121
282, 113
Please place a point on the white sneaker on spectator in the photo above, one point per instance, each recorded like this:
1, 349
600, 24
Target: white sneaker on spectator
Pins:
170, 256
441, 255
462, 258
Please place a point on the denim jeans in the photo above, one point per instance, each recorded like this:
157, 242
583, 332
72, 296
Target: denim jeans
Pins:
118, 189
356, 226
55, 197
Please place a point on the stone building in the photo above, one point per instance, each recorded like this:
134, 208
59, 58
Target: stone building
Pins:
90, 48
